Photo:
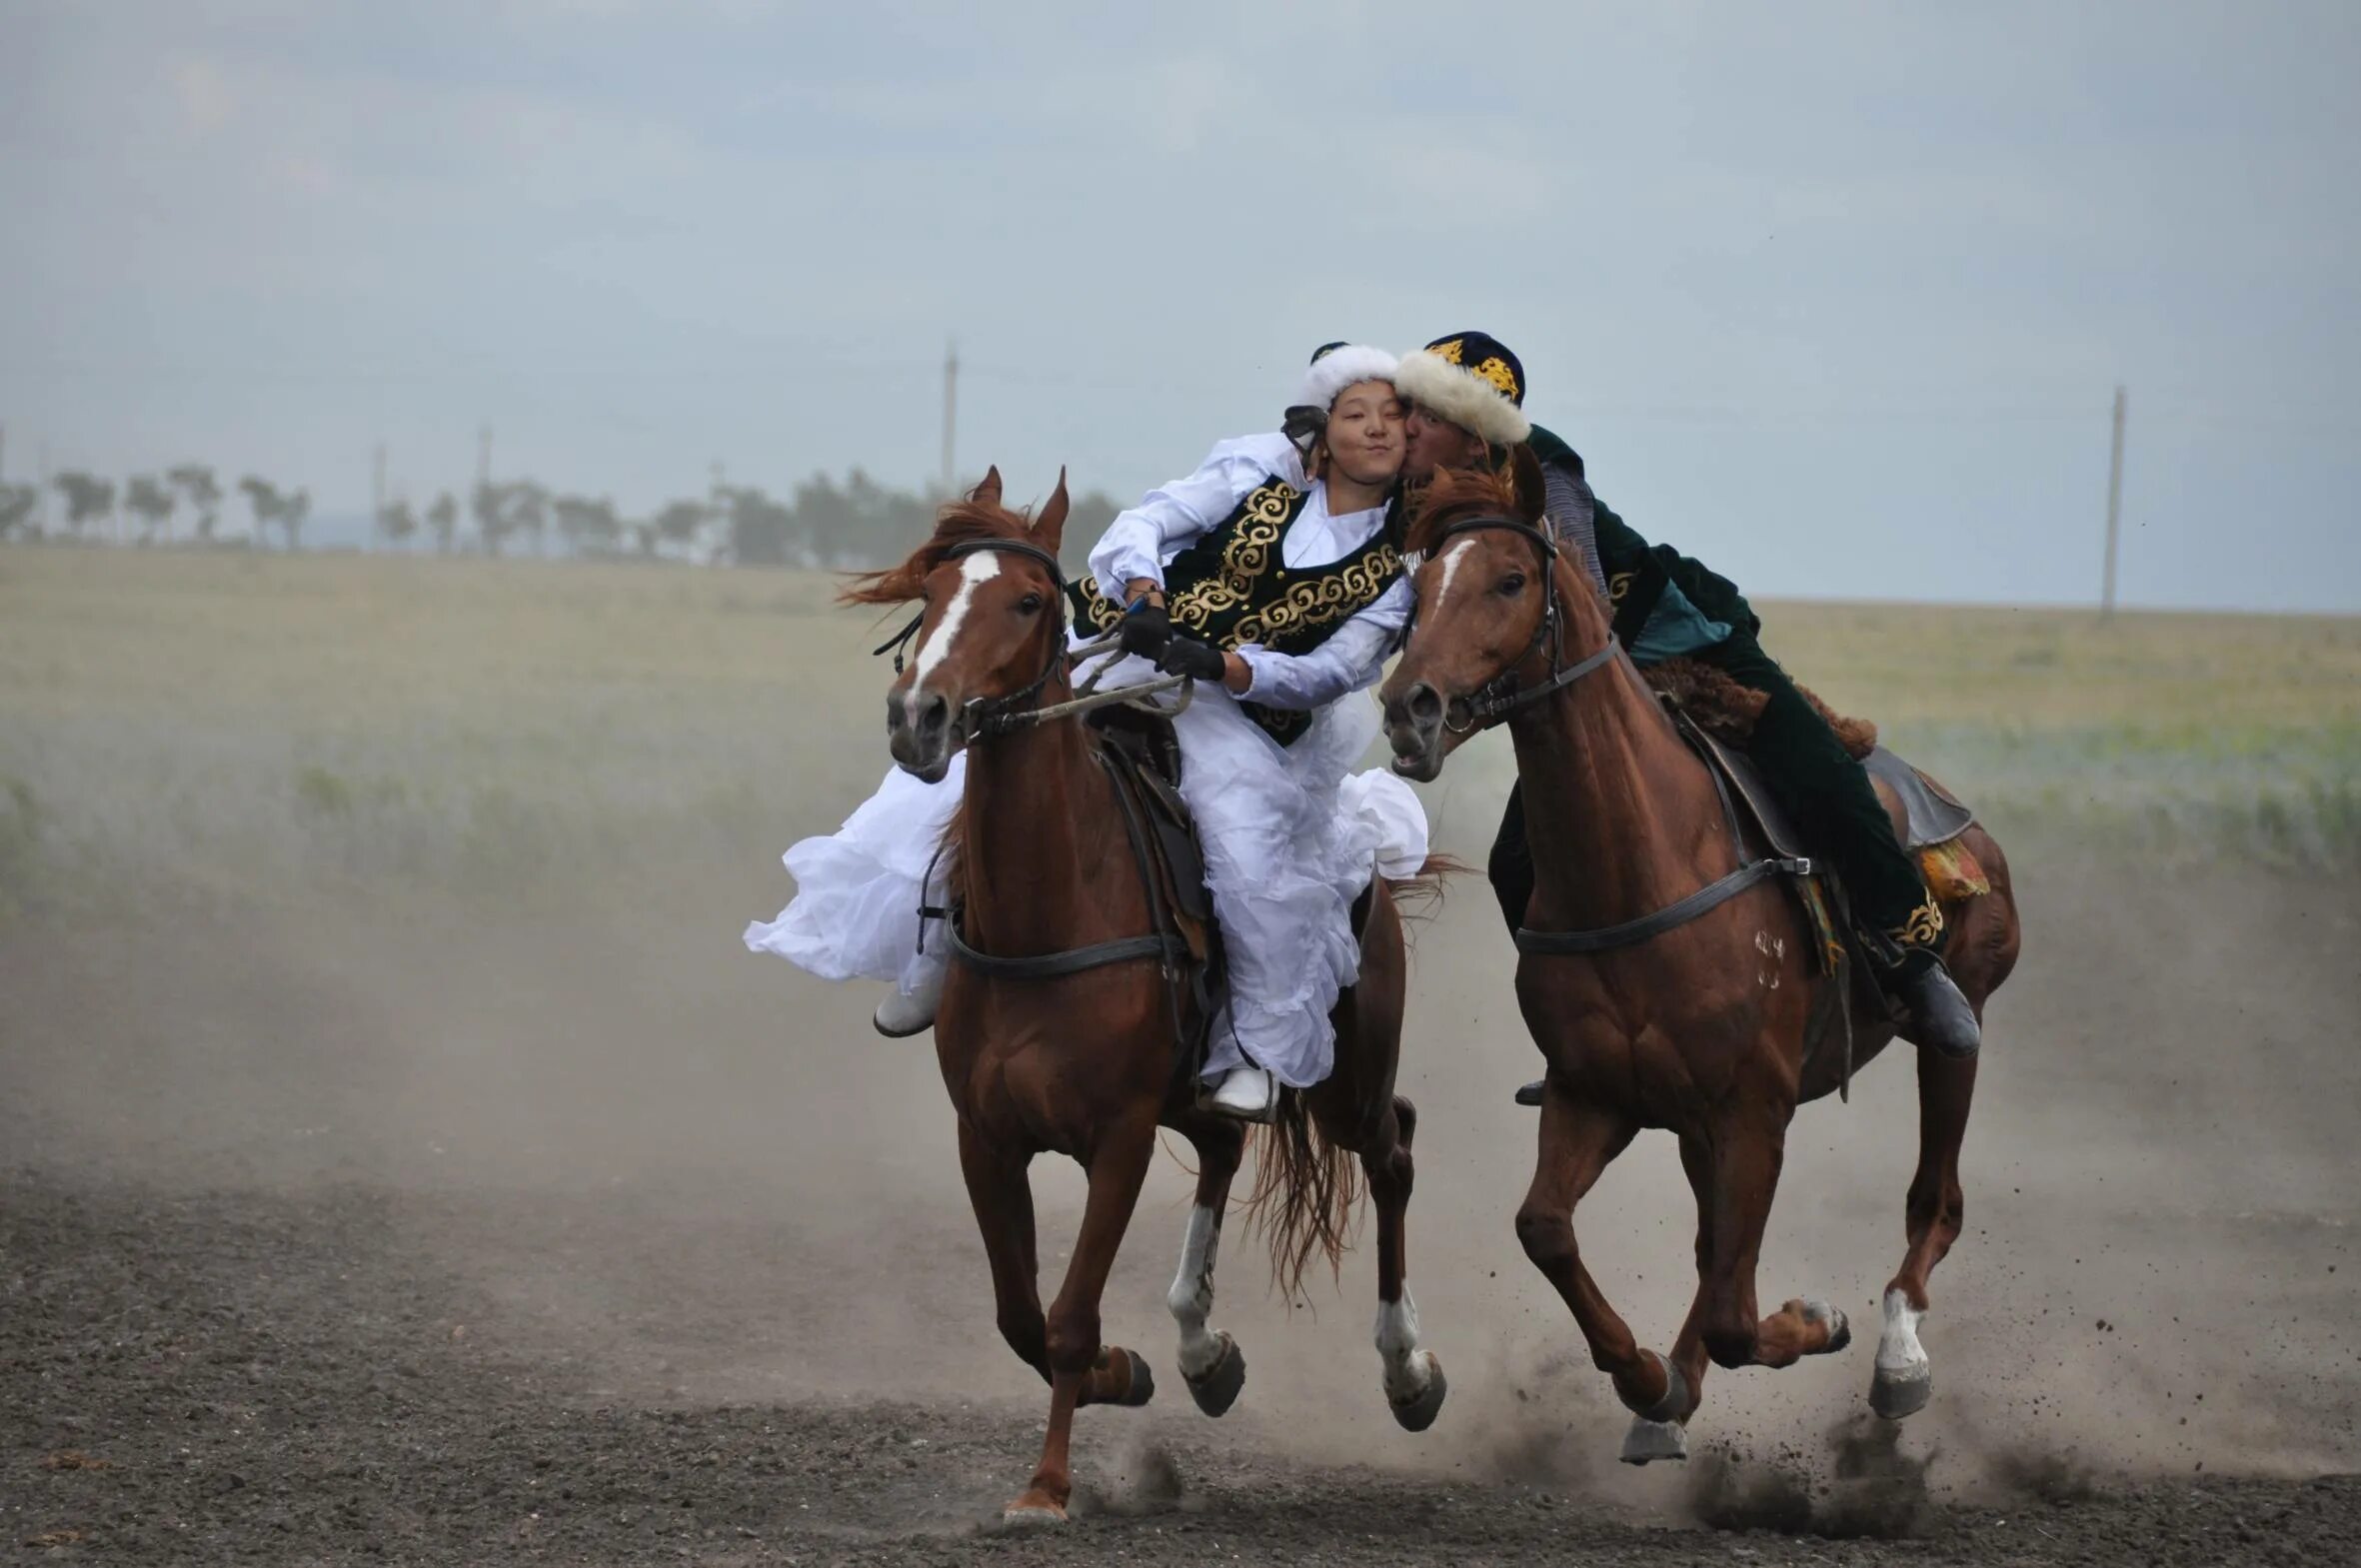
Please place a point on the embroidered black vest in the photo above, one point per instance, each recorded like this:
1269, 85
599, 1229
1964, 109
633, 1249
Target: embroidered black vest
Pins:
1234, 586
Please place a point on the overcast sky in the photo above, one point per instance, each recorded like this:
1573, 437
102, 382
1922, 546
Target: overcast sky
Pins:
1833, 296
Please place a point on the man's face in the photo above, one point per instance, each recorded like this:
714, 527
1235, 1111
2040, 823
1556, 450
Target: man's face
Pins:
1437, 442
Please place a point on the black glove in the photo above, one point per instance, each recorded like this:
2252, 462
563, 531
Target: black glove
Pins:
1146, 631
1185, 655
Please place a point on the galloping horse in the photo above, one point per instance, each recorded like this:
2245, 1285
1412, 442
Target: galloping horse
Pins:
1700, 1027
1081, 1062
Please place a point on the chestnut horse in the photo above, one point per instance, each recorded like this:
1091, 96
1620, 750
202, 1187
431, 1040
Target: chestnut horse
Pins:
1083, 1063
1701, 1028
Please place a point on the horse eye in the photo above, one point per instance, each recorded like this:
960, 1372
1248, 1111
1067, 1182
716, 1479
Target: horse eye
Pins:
1029, 604
1513, 583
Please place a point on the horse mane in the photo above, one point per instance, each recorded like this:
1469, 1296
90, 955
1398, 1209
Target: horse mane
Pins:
957, 523
1455, 495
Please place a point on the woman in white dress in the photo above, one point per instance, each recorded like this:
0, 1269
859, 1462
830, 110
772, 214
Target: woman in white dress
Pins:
1284, 640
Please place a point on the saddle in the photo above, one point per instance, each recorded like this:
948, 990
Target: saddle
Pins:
1934, 819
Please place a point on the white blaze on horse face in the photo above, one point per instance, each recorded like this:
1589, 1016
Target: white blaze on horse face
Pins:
1451, 570
980, 566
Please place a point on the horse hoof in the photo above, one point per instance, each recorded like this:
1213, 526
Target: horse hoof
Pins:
1218, 1390
1417, 1412
1840, 1328
1035, 1510
1649, 1441
1142, 1382
1894, 1395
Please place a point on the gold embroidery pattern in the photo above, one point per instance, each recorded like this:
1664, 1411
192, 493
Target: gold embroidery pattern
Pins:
1504, 379
1923, 928
1342, 593
1619, 584
1450, 353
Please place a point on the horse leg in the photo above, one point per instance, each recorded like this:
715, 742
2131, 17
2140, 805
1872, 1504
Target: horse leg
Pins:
1212, 1364
1579, 1140
1082, 1370
1003, 1200
1932, 1213
1415, 1384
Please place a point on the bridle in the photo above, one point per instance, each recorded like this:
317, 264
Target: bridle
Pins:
1500, 696
983, 716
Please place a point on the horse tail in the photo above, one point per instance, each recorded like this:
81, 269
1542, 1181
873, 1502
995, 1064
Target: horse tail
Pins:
1419, 896
1306, 1190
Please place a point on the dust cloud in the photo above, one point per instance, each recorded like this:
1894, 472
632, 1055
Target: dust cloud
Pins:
694, 1175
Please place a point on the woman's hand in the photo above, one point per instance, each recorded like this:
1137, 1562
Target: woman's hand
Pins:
1185, 655
1145, 630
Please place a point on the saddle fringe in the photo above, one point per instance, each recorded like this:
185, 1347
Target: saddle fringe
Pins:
1727, 710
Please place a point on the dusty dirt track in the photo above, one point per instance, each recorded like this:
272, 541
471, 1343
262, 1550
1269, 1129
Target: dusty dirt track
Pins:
570, 1258
402, 1160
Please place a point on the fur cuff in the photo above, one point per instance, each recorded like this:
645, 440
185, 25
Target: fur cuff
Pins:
1460, 395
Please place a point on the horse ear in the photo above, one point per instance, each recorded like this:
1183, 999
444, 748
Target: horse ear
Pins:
1049, 527
989, 492
1532, 491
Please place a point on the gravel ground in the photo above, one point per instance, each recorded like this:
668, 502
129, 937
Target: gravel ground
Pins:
237, 1376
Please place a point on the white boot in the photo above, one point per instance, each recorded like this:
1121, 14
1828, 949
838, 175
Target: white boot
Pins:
901, 1015
1247, 1093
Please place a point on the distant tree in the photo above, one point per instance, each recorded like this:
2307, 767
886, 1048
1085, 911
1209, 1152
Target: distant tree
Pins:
16, 506
528, 506
292, 513
443, 518
646, 535
762, 531
263, 501
196, 483
681, 522
397, 522
588, 526
146, 498
494, 519
87, 498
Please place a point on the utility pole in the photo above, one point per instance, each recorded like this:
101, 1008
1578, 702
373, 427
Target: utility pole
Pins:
377, 501
951, 415
2114, 509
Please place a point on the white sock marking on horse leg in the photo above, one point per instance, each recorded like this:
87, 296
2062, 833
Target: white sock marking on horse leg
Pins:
1191, 1298
981, 566
1407, 1372
1900, 1357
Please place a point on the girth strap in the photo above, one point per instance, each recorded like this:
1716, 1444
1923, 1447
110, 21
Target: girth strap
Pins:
1048, 966
1607, 938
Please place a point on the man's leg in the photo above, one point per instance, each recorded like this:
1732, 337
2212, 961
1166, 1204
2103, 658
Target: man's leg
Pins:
1511, 866
1832, 798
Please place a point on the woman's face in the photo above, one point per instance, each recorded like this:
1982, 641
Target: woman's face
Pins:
1364, 438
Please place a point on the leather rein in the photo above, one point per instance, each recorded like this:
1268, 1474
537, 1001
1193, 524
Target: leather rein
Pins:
1501, 695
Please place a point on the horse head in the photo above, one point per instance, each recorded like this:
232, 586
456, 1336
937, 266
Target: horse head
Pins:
991, 629
1484, 596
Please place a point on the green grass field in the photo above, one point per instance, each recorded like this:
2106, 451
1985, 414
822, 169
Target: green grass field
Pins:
249, 726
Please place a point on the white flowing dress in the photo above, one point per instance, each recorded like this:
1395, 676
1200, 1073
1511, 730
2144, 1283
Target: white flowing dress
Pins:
1290, 835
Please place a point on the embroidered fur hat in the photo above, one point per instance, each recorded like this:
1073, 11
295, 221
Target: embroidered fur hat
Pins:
1336, 366
1472, 380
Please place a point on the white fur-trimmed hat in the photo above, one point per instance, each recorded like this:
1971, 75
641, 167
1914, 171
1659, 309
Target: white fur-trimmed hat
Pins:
1337, 366
1472, 380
